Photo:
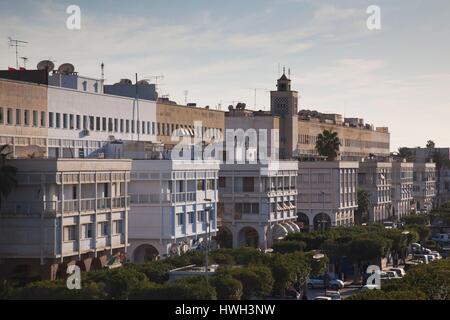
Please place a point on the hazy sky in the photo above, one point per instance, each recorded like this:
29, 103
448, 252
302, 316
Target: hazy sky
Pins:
398, 76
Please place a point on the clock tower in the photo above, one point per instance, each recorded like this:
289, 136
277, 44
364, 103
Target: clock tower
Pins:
284, 103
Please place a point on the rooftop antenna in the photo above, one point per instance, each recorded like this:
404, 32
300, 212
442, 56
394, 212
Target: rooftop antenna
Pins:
16, 43
284, 69
102, 66
279, 70
255, 91
156, 80
25, 59
186, 92
289, 73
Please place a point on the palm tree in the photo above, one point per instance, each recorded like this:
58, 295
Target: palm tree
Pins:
328, 144
7, 174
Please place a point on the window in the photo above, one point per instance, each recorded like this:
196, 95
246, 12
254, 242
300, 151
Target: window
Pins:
118, 226
87, 231
210, 185
104, 124
128, 126
138, 126
121, 125
153, 128
91, 123
50, 120
148, 127
58, 120
71, 124
110, 125
248, 184
103, 229
26, 117
180, 219
222, 182
84, 85
35, 118
201, 185
97, 124
70, 233
116, 125
191, 217
143, 127
18, 115
78, 121
74, 192
1, 115
201, 216
96, 87
42, 118
132, 126
9, 116
65, 122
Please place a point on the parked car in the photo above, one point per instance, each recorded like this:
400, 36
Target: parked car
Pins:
323, 298
390, 225
318, 282
399, 271
436, 255
334, 295
369, 287
440, 237
388, 275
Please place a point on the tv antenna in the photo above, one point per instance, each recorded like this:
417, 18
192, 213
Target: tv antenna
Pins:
185, 92
160, 77
17, 44
25, 59
255, 91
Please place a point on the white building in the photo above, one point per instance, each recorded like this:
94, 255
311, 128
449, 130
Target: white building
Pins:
424, 188
402, 189
80, 123
327, 194
258, 202
375, 177
170, 201
64, 212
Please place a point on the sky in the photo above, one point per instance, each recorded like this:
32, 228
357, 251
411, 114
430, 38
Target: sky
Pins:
219, 51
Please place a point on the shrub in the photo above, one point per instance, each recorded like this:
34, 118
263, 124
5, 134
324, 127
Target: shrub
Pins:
227, 288
289, 246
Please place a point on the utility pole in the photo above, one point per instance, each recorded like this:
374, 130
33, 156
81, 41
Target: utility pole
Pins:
16, 43
208, 235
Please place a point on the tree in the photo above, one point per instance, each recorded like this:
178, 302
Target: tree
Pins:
256, 280
431, 144
7, 174
288, 246
156, 271
361, 213
227, 287
405, 153
328, 144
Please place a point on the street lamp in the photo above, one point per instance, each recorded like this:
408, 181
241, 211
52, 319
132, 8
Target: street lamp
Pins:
208, 235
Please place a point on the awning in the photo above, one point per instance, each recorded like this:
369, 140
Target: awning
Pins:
279, 232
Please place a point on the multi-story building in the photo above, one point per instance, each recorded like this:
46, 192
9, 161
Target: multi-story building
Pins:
376, 178
72, 117
327, 194
402, 189
64, 212
173, 202
258, 202
441, 156
358, 140
424, 187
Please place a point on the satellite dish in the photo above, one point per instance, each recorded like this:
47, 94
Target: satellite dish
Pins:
46, 65
125, 81
143, 82
66, 68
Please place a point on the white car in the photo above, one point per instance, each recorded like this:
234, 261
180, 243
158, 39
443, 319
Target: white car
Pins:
399, 271
323, 298
388, 275
370, 287
436, 255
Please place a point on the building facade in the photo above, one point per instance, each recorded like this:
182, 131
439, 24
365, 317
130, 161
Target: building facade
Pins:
327, 194
424, 187
376, 178
257, 203
64, 212
402, 189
